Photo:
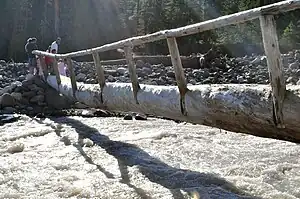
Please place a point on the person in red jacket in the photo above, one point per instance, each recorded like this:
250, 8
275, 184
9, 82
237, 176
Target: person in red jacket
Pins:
49, 60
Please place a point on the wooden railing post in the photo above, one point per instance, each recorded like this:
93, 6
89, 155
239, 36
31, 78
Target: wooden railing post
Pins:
179, 73
132, 71
100, 73
55, 69
72, 76
275, 66
43, 67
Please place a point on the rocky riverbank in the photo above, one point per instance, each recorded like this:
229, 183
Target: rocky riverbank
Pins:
248, 69
33, 96
221, 70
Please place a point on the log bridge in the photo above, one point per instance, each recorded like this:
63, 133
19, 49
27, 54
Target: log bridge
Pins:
271, 111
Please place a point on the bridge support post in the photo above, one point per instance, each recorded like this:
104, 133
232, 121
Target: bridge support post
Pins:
100, 73
132, 71
72, 76
55, 69
179, 73
44, 67
275, 66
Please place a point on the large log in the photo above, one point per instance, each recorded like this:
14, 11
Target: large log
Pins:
239, 108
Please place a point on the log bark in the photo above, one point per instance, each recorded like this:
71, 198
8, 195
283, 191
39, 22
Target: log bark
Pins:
238, 108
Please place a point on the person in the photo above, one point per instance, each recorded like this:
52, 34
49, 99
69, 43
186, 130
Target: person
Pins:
32, 61
49, 60
55, 45
62, 67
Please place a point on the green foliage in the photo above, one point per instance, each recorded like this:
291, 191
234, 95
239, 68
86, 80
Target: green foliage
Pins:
290, 35
89, 23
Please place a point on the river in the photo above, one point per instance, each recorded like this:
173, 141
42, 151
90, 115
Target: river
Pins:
75, 157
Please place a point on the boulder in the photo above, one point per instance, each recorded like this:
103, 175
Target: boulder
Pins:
294, 65
17, 96
80, 105
37, 99
81, 77
122, 70
56, 100
6, 100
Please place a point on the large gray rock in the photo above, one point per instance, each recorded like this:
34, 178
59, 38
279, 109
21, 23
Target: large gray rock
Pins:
10, 88
56, 100
8, 110
6, 100
139, 63
37, 99
16, 95
81, 77
121, 70
29, 94
294, 66
113, 73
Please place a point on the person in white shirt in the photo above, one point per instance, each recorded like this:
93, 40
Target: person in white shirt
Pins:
55, 44
62, 67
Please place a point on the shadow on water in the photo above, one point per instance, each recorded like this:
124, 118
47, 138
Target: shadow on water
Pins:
206, 184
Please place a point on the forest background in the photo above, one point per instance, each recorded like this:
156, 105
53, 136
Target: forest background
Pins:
89, 23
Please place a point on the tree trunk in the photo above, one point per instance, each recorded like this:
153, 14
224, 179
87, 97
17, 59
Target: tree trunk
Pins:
56, 17
239, 108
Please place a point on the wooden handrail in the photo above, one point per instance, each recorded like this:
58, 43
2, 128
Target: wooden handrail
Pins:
219, 22
270, 40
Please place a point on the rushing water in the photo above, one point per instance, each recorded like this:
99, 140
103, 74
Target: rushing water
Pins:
74, 157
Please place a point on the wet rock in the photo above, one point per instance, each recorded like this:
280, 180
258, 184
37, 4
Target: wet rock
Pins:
29, 108
101, 113
128, 117
147, 70
10, 88
56, 100
139, 64
297, 56
81, 77
113, 73
171, 74
66, 140
294, 65
6, 100
140, 117
37, 99
291, 80
17, 96
9, 110
8, 118
86, 142
122, 70
110, 78
80, 105
29, 94
16, 148
40, 83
